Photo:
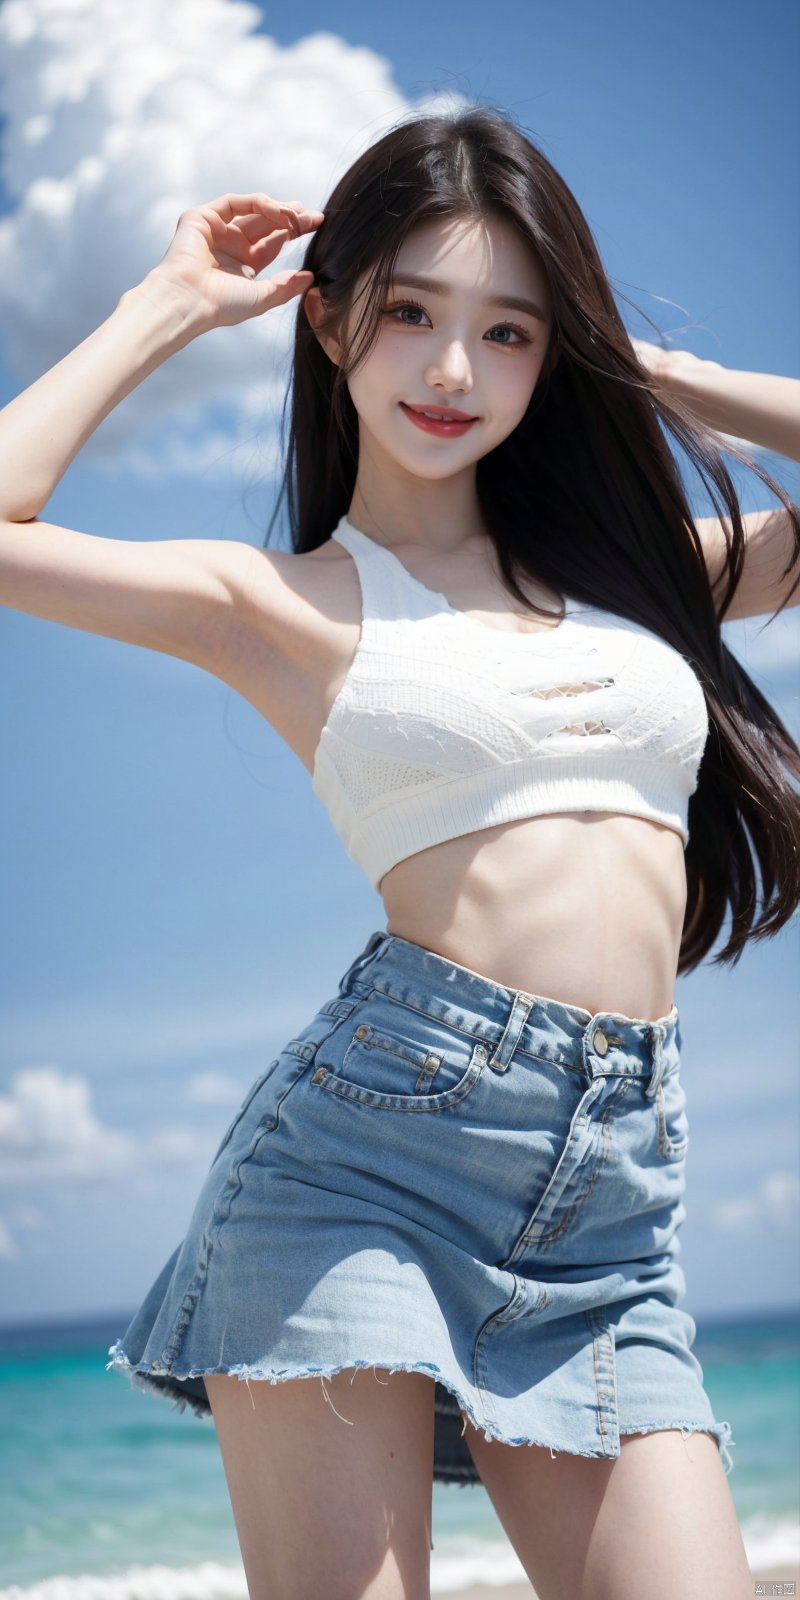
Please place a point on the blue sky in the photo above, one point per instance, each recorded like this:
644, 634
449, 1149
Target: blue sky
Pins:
175, 902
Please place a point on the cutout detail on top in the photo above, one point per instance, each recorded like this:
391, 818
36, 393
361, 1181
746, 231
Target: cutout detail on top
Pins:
565, 688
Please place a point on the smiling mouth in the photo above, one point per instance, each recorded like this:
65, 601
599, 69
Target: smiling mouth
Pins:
439, 414
453, 426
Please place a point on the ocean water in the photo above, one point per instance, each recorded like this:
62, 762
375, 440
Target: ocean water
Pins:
108, 1493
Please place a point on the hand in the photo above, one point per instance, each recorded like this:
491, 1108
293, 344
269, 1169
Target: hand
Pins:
220, 248
669, 366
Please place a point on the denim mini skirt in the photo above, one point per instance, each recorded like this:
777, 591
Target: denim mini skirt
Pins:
443, 1175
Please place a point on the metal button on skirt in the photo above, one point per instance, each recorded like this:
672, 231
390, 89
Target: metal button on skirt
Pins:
443, 1175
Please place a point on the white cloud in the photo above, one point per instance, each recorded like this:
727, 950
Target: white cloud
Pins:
118, 118
213, 1089
50, 1133
774, 1204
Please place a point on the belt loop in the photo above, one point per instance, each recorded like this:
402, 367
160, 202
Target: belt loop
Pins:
517, 1018
657, 1072
361, 960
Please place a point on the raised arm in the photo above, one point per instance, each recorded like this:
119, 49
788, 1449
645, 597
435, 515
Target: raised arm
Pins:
763, 409
169, 595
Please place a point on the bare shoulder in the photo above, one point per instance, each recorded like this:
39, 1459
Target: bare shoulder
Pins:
290, 602
294, 626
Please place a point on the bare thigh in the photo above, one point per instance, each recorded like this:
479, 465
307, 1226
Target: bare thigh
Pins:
331, 1482
658, 1520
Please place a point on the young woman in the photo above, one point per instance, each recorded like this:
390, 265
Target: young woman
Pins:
453, 1200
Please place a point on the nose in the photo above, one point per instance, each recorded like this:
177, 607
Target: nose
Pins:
450, 369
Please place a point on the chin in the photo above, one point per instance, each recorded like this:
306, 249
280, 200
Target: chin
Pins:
434, 471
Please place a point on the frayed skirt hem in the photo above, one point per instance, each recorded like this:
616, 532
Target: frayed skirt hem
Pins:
151, 1378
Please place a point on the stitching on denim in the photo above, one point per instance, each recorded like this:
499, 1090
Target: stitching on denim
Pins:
489, 1037
669, 1149
378, 1100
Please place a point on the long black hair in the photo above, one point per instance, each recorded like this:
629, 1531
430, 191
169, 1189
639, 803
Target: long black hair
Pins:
585, 493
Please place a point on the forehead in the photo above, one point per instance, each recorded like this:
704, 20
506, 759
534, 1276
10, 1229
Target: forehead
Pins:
485, 253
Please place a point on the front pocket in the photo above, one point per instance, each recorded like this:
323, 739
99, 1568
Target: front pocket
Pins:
388, 1063
399, 1060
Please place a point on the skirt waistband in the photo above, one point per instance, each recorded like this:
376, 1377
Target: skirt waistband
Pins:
603, 1043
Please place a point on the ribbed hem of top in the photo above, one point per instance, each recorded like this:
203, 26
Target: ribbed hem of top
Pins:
401, 825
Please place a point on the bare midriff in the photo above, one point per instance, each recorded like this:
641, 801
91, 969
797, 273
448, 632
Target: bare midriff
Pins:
586, 907
583, 907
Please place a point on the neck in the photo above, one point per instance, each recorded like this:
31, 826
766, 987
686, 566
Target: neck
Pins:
395, 507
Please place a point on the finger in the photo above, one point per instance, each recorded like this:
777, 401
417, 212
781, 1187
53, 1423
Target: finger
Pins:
255, 251
263, 249
255, 231
282, 286
256, 226
259, 223
229, 206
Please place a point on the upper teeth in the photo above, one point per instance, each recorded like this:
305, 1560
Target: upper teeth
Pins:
437, 416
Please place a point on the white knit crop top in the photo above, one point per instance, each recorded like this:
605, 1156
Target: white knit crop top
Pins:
445, 725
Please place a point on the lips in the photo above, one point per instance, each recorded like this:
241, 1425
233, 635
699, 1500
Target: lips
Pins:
442, 413
445, 423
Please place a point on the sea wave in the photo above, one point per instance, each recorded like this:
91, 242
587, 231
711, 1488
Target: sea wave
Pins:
459, 1563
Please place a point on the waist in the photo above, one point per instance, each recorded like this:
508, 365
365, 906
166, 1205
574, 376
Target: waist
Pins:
507, 1019
382, 823
584, 907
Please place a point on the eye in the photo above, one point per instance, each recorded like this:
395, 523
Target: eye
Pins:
503, 327
411, 305
510, 327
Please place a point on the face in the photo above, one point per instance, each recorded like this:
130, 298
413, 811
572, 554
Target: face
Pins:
447, 346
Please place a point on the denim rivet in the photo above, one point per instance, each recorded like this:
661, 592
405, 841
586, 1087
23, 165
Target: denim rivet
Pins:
361, 1033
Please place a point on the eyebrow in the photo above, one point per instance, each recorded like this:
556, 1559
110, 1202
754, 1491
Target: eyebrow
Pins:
510, 302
